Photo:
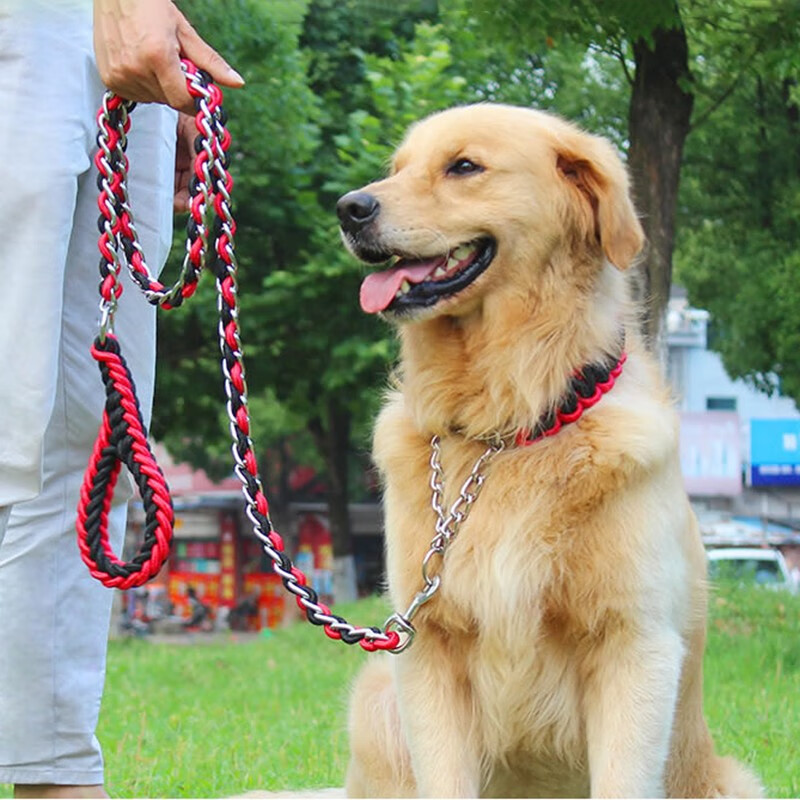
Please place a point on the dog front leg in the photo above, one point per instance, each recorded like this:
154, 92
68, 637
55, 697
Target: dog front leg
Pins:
434, 705
630, 704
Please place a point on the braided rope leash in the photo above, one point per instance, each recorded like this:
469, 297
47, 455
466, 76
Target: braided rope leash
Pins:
122, 438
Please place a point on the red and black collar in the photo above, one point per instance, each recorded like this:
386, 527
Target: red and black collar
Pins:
586, 387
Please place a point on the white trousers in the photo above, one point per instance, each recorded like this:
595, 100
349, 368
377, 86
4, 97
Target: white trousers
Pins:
53, 615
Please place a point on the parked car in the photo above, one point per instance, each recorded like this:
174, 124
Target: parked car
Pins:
763, 566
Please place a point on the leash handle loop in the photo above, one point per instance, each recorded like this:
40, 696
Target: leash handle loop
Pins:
122, 439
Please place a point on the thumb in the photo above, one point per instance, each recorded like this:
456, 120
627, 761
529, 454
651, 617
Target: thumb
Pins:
205, 57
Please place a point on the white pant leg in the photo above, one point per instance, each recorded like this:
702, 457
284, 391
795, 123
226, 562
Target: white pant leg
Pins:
53, 615
43, 138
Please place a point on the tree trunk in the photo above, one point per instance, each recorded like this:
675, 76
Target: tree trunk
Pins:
660, 110
278, 468
333, 441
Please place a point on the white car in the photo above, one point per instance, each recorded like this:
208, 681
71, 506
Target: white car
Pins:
764, 566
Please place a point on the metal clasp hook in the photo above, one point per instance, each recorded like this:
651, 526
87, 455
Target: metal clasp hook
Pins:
403, 621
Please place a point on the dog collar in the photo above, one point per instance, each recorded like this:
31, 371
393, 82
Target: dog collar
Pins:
586, 387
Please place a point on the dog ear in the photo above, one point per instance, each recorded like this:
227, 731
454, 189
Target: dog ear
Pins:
600, 179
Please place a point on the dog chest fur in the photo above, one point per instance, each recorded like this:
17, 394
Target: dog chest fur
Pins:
550, 558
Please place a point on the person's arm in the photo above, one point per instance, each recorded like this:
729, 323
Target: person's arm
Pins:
138, 45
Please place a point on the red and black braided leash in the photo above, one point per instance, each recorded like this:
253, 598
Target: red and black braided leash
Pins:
122, 438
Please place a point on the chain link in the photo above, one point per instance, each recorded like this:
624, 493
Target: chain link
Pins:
447, 526
112, 165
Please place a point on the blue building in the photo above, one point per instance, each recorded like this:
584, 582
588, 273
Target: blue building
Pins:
740, 448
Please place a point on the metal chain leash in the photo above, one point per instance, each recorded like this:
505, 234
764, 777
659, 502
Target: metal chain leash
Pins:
447, 526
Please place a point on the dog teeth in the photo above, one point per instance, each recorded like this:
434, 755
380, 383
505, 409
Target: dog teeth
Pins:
462, 252
452, 261
405, 286
440, 272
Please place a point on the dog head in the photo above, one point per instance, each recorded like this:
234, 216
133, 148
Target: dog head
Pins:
484, 195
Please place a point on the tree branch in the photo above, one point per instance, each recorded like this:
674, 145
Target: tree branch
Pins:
616, 49
702, 118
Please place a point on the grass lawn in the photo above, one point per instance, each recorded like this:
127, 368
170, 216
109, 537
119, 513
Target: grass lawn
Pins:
218, 719
752, 683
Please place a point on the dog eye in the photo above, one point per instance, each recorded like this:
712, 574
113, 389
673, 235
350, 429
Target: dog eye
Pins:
463, 166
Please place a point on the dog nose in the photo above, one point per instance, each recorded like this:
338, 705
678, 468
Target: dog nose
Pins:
356, 210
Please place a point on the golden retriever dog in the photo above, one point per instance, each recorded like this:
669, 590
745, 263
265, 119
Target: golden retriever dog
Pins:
562, 653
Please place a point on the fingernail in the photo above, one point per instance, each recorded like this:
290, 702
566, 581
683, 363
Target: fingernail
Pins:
236, 75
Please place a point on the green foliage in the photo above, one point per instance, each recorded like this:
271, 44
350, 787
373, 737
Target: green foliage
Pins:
754, 320
401, 91
740, 197
323, 354
314, 360
584, 21
274, 134
451, 63
336, 38
739, 27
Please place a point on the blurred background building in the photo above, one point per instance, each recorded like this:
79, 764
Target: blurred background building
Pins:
740, 448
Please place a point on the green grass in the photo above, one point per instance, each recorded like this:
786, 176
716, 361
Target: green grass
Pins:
215, 720
752, 682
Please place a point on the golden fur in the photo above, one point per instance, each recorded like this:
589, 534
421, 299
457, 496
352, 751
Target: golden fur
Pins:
563, 654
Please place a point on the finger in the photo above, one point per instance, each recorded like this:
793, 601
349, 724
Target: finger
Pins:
187, 130
184, 160
183, 156
172, 81
180, 202
205, 57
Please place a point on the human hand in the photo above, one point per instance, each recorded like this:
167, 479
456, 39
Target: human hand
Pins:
138, 45
184, 161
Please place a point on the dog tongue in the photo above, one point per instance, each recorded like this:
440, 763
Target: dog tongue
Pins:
379, 289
